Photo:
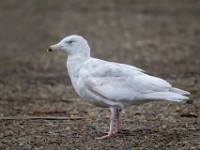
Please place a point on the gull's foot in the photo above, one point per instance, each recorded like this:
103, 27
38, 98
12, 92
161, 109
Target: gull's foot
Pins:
109, 134
116, 131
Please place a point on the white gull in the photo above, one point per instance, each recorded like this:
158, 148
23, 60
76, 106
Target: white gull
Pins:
113, 85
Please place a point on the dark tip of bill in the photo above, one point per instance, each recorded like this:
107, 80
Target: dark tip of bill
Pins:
49, 49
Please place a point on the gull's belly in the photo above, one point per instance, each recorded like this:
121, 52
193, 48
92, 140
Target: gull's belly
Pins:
91, 98
95, 99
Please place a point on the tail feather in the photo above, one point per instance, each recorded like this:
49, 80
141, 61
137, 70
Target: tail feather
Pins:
178, 91
170, 96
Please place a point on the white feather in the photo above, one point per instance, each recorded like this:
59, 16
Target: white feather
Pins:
108, 84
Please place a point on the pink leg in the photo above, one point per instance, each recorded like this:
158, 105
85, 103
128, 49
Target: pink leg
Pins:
113, 117
117, 120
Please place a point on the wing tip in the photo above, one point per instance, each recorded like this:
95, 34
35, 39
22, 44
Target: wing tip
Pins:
179, 91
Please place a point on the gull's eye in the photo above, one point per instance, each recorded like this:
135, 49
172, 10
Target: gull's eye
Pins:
70, 42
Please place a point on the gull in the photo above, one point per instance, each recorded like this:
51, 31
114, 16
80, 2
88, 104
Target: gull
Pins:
112, 85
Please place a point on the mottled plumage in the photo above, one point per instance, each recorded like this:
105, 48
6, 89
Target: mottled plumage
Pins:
113, 85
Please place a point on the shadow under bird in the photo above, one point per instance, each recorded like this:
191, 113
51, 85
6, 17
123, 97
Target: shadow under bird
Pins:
112, 85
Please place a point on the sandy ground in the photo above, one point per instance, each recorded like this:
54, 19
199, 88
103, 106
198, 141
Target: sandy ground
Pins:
162, 38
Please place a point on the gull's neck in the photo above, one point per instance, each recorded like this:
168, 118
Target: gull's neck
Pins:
74, 64
77, 58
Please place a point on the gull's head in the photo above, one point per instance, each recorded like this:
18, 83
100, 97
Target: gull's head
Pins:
73, 45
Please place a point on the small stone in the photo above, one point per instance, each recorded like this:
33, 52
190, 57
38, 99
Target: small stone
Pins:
178, 109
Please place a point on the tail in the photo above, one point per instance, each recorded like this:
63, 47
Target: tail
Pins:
178, 91
174, 94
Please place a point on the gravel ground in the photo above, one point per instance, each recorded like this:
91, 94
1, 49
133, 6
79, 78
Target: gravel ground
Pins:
162, 38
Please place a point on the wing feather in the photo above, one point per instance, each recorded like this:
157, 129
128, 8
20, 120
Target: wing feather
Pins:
127, 88
100, 68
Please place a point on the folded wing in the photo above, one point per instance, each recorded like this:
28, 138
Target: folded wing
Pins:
131, 89
100, 68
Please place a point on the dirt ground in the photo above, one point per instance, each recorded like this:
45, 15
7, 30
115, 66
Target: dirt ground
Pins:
162, 38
